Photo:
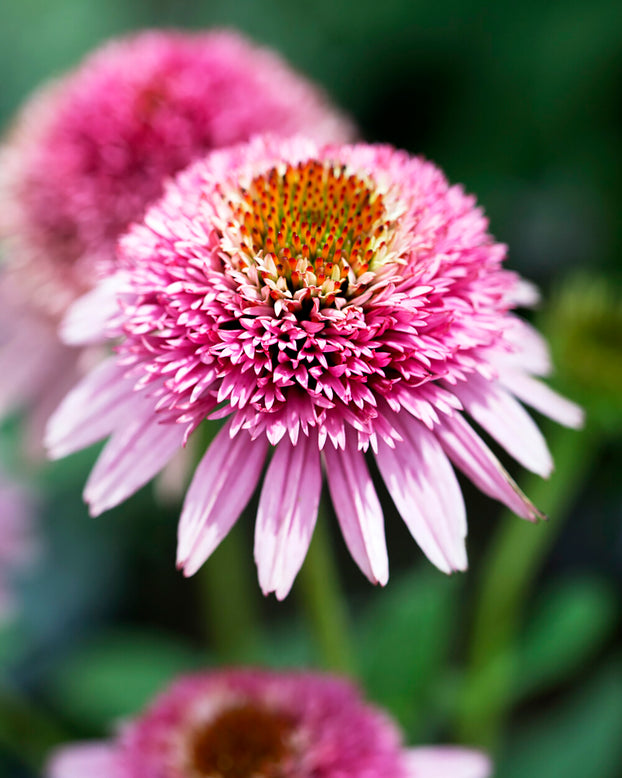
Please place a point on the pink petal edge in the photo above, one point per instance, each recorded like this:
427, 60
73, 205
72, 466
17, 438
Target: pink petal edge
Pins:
447, 762
471, 455
88, 760
426, 492
544, 399
86, 320
287, 514
358, 509
131, 458
91, 410
508, 423
223, 483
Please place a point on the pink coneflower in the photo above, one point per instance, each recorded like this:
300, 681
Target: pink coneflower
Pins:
90, 151
17, 542
254, 724
326, 301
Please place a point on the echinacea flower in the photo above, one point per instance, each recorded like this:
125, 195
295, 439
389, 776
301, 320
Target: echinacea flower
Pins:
91, 150
17, 541
326, 301
256, 724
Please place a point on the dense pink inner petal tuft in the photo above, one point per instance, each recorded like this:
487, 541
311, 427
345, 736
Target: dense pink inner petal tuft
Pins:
301, 293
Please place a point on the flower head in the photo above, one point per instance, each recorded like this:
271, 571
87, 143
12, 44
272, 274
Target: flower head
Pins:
326, 301
253, 724
90, 151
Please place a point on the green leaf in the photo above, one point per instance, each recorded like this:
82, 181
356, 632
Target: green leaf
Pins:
116, 675
573, 620
578, 738
404, 641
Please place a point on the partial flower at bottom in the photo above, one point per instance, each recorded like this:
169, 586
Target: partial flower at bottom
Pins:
325, 301
91, 150
255, 724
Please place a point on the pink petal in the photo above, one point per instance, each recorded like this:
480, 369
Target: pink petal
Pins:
87, 319
524, 294
90, 760
358, 509
222, 485
132, 456
508, 423
287, 513
531, 351
61, 378
171, 485
543, 399
469, 452
426, 493
91, 410
26, 361
447, 762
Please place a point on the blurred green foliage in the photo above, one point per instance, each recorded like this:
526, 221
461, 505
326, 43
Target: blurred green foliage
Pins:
114, 675
579, 736
404, 666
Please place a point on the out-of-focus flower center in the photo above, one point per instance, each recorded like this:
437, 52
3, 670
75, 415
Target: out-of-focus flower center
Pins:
310, 230
243, 742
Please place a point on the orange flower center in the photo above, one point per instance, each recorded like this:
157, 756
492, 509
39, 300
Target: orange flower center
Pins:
311, 227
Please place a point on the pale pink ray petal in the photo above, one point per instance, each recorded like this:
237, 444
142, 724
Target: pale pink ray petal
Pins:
222, 485
471, 455
530, 349
87, 318
26, 359
90, 411
543, 398
508, 423
287, 513
447, 762
426, 492
170, 486
358, 509
132, 456
54, 388
524, 294
90, 760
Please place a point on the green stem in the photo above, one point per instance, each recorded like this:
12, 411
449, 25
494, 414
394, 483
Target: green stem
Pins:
509, 569
27, 733
324, 603
228, 589
231, 599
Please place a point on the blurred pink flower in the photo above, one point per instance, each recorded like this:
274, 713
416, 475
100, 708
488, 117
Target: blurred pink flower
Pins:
91, 150
17, 541
249, 724
326, 300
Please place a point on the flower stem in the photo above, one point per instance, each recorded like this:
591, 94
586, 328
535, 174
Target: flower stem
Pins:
512, 563
231, 599
324, 603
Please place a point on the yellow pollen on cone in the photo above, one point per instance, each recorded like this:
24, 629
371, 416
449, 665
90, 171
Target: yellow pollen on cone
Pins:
312, 226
